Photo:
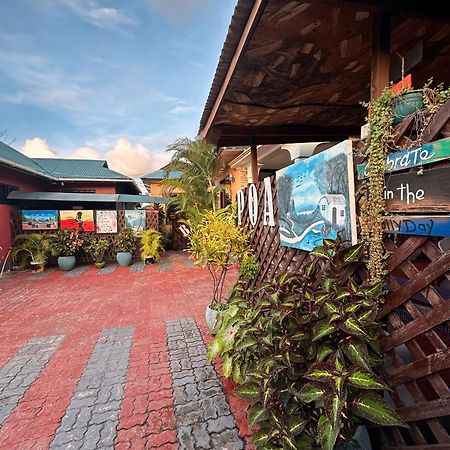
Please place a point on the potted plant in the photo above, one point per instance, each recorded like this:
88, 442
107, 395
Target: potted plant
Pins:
125, 244
66, 244
97, 247
406, 103
151, 246
36, 247
217, 242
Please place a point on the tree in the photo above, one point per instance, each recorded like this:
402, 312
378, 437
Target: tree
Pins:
284, 189
199, 166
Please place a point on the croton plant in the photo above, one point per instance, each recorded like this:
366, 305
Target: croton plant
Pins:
302, 350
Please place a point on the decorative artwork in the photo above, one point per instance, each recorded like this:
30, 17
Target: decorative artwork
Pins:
105, 222
46, 219
135, 219
81, 220
316, 199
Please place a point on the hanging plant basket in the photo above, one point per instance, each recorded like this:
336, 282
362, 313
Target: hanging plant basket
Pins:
407, 104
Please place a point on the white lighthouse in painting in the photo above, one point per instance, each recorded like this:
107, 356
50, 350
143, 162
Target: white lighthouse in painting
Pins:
332, 208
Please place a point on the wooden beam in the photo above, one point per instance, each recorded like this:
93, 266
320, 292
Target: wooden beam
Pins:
381, 47
254, 160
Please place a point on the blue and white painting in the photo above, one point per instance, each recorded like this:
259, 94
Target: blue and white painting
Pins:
42, 219
316, 199
135, 219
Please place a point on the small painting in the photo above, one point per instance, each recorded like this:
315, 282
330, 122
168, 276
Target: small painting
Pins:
316, 199
45, 219
81, 220
105, 222
135, 219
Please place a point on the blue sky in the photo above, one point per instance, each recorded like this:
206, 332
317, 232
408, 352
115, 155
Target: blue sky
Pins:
107, 79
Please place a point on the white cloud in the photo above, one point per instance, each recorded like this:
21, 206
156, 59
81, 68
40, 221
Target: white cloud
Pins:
182, 109
176, 9
38, 148
86, 153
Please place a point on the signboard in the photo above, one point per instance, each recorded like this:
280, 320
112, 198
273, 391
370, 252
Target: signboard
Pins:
135, 219
418, 225
416, 156
411, 192
105, 222
316, 199
81, 220
46, 219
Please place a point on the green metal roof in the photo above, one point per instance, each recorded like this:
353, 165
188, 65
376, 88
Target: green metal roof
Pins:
80, 169
84, 197
160, 175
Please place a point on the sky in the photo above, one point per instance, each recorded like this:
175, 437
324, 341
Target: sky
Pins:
115, 80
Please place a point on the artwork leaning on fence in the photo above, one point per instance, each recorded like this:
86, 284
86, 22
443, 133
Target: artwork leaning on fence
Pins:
39, 219
316, 199
135, 219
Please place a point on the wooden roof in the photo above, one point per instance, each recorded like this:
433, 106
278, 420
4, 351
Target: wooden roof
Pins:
293, 71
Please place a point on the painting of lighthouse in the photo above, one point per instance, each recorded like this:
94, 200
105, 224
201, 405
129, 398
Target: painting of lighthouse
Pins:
316, 199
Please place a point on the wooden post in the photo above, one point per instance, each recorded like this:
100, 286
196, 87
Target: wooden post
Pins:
381, 47
254, 160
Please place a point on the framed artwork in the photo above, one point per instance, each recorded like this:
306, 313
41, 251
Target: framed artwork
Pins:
135, 219
316, 199
105, 222
45, 219
81, 220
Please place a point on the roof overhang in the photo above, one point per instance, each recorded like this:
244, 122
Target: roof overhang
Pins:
298, 71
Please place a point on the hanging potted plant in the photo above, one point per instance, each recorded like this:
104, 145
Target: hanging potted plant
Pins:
125, 244
151, 246
36, 248
66, 244
96, 247
216, 243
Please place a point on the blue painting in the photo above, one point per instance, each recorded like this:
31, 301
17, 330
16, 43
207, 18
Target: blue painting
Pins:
135, 219
42, 219
316, 199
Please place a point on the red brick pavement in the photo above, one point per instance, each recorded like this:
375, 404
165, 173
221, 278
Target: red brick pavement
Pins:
80, 308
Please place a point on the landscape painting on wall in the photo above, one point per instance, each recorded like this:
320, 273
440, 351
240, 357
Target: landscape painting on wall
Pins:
81, 220
316, 199
106, 222
135, 219
46, 219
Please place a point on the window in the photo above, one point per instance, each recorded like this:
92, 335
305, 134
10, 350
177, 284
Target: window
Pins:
5, 190
323, 207
342, 213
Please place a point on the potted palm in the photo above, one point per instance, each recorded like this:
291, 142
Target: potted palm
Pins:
216, 243
36, 247
151, 246
96, 247
66, 244
125, 244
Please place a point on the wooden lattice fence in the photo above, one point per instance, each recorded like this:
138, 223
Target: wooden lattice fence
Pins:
415, 316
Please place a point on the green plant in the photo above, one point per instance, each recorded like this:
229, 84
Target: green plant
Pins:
67, 242
216, 243
151, 244
125, 241
36, 247
303, 352
249, 267
96, 247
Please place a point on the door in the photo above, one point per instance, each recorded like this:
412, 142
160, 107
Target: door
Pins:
334, 216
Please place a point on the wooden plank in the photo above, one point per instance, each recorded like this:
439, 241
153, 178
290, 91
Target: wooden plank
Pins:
414, 157
435, 316
381, 45
418, 225
438, 122
418, 447
409, 192
425, 410
428, 275
419, 369
398, 255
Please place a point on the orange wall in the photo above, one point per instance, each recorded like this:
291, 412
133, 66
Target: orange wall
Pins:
155, 188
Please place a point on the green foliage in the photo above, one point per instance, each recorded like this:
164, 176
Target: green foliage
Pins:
249, 267
216, 242
125, 241
151, 244
96, 247
199, 166
35, 247
302, 352
67, 242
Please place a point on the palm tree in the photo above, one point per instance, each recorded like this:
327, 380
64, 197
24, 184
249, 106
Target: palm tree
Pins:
199, 166
36, 246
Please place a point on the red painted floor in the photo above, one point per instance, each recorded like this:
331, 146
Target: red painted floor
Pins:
80, 308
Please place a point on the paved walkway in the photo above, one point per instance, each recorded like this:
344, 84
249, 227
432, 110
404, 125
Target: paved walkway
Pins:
113, 359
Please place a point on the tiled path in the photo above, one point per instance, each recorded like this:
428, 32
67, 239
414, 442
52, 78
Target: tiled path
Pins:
113, 359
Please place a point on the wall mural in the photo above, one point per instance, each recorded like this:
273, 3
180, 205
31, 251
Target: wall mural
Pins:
81, 220
316, 199
135, 219
105, 222
39, 219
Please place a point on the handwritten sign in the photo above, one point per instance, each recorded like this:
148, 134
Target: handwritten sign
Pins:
105, 222
416, 156
410, 192
418, 225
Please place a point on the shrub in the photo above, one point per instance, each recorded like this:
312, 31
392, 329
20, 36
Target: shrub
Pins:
96, 247
125, 241
67, 242
151, 244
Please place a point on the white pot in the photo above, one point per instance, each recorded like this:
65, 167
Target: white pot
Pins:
211, 319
